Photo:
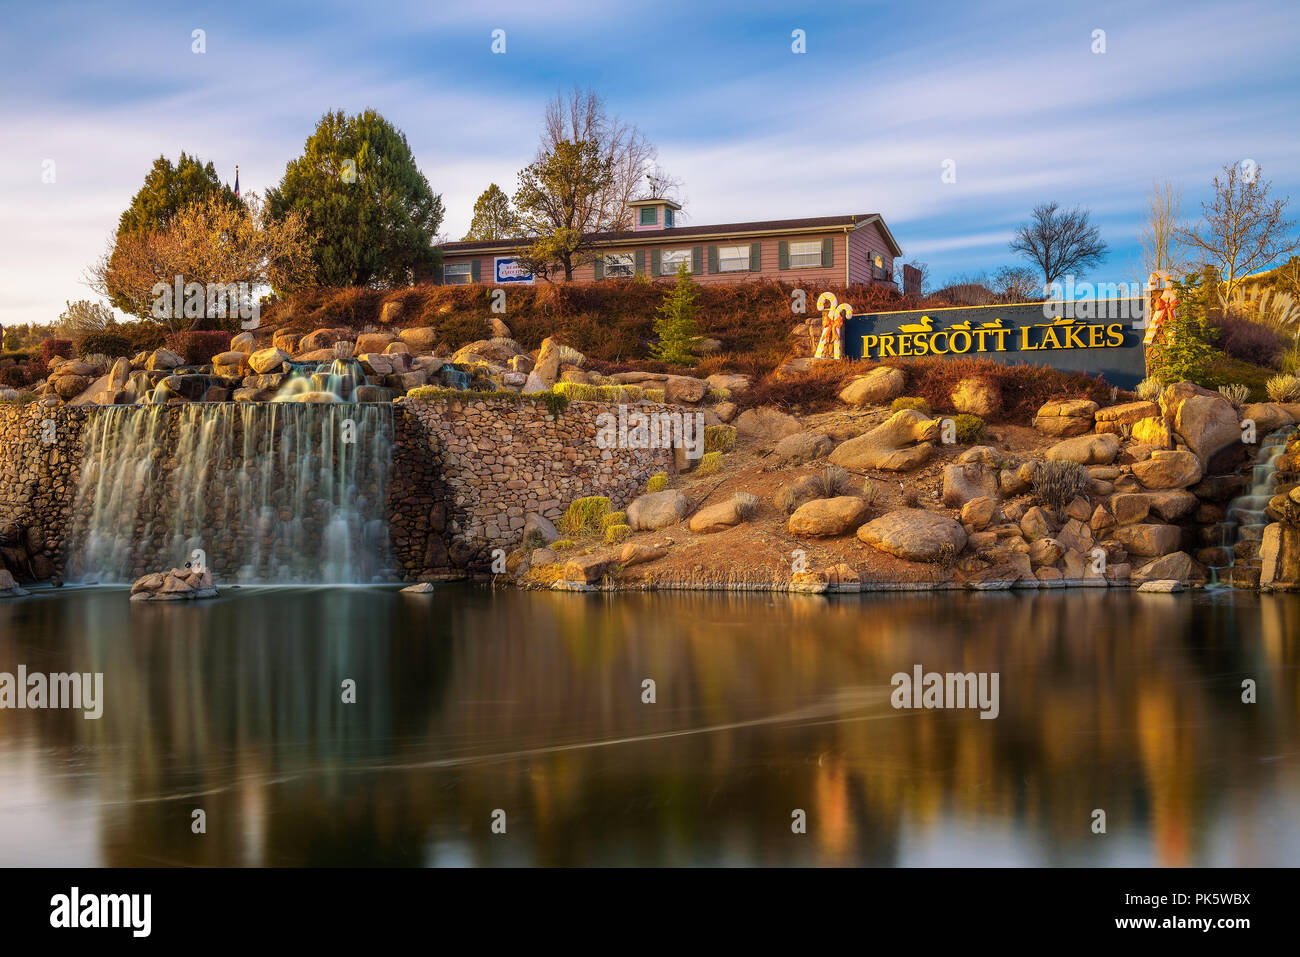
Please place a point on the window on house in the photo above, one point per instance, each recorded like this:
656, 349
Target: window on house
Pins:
668, 218
878, 270
648, 216
620, 266
806, 254
733, 258
672, 260
456, 274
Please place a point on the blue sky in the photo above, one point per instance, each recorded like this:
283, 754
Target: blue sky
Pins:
861, 122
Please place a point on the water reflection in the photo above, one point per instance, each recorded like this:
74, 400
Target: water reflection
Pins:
470, 700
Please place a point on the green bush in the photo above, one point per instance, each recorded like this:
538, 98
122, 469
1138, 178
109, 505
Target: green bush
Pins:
615, 534
653, 395
585, 392
562, 545
910, 402
613, 518
970, 428
710, 462
105, 344
719, 438
1284, 388
584, 514
657, 483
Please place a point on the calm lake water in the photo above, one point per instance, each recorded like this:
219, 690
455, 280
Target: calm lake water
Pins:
468, 701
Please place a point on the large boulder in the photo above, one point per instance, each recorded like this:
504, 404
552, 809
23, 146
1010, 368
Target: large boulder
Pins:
802, 447
267, 361
971, 480
1206, 421
500, 351
546, 371
588, 569
1152, 431
231, 365
825, 517
1065, 417
913, 534
70, 386
1175, 566
162, 360
977, 395
539, 526
245, 342
319, 339
684, 389
732, 382
419, 338
1279, 554
1170, 505
766, 424
892, 445
657, 510
1114, 418
1149, 540
715, 518
1085, 449
173, 585
371, 342
638, 553
1267, 416
119, 375
880, 386
1169, 469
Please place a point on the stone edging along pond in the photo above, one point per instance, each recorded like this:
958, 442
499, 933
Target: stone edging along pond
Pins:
471, 471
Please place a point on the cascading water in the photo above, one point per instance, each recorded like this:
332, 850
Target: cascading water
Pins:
1246, 512
271, 492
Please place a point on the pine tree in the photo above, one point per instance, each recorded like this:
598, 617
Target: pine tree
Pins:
675, 321
494, 218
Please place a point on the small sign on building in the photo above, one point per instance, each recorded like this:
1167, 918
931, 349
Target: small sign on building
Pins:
507, 269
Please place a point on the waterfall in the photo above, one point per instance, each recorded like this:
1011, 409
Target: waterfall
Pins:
270, 491
1246, 512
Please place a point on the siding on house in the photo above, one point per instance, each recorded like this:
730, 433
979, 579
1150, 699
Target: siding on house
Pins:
853, 244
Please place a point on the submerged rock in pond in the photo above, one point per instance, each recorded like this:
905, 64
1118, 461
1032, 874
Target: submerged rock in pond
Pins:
174, 585
419, 588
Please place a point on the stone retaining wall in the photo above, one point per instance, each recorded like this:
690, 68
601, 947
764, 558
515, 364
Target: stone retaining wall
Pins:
467, 472
40, 458
464, 474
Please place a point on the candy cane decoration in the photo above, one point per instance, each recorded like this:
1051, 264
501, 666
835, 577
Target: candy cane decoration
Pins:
834, 315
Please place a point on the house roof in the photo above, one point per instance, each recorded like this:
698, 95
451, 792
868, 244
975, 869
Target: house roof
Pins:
684, 233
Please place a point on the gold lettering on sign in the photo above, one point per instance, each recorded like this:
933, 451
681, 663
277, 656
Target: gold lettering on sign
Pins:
960, 338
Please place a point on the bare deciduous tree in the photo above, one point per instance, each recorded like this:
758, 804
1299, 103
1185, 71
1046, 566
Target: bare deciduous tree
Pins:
1244, 231
1060, 241
1163, 250
581, 117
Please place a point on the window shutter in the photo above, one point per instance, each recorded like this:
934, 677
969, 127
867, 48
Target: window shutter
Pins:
713, 259
640, 262
473, 270
828, 251
783, 255
656, 263
600, 267
697, 259
755, 257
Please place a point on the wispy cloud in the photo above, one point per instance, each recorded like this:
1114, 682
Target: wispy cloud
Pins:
862, 122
